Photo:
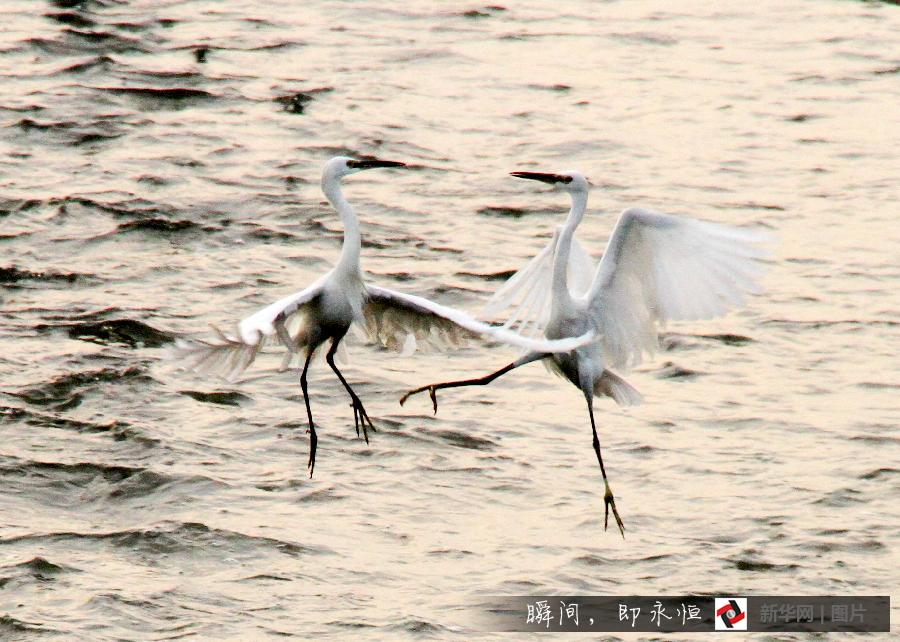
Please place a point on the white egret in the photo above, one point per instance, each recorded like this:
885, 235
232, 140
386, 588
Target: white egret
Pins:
656, 268
325, 311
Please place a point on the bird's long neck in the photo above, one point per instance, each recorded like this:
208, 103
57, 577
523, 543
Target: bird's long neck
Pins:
563, 247
349, 261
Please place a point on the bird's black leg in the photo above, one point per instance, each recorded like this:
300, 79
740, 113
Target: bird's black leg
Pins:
434, 387
360, 416
608, 498
313, 440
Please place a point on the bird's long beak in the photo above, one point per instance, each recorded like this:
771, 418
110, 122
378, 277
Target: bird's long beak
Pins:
552, 179
373, 163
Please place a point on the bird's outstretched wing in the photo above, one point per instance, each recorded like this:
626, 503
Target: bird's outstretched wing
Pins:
659, 268
229, 356
391, 317
527, 293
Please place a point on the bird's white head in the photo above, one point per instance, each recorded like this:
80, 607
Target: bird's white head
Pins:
341, 166
570, 181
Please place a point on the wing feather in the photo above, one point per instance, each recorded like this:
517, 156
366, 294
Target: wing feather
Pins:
228, 356
391, 316
528, 292
659, 268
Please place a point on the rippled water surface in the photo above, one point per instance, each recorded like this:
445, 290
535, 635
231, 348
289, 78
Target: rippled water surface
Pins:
159, 172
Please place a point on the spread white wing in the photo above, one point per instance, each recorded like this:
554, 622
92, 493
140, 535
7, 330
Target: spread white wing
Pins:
527, 293
659, 268
392, 316
229, 356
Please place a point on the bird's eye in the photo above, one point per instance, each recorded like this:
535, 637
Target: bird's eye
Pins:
352, 163
566, 179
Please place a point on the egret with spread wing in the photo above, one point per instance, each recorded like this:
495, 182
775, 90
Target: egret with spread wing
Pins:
656, 268
325, 311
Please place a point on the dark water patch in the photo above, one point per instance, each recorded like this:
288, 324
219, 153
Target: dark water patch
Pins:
886, 71
12, 275
85, 5
840, 498
38, 567
135, 27
265, 577
484, 12
15, 205
80, 474
266, 234
502, 211
854, 324
82, 41
374, 244
673, 371
174, 93
121, 482
447, 250
451, 553
71, 18
749, 565
753, 205
134, 208
118, 430
418, 627
116, 331
73, 133
876, 439
491, 276
321, 495
802, 118
727, 339
148, 482
186, 538
879, 472
555, 88
12, 629
163, 97
219, 398
593, 560
877, 385
29, 124
831, 532
343, 624
64, 392
55, 47
646, 38
462, 440
296, 103
103, 62
91, 138
155, 181
162, 226
174, 76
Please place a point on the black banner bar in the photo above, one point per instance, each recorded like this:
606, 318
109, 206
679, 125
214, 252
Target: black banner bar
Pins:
686, 614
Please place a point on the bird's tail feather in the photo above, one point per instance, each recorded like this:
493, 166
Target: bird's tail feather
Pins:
612, 385
226, 357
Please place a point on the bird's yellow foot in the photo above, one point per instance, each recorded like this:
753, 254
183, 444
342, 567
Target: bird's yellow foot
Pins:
610, 502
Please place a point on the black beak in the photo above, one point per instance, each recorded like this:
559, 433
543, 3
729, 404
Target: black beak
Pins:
552, 179
373, 163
